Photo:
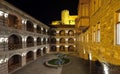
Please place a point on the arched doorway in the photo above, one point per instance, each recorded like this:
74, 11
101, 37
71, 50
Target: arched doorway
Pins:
71, 33
29, 56
62, 40
29, 26
53, 41
38, 29
13, 21
38, 41
62, 33
38, 53
14, 62
71, 48
14, 42
53, 49
71, 40
44, 50
30, 41
62, 48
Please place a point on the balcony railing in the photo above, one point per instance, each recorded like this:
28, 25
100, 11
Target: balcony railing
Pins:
14, 46
30, 44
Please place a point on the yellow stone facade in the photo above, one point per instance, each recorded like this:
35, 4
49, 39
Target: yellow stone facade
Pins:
66, 18
96, 30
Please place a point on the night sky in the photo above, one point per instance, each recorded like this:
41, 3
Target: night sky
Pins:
46, 10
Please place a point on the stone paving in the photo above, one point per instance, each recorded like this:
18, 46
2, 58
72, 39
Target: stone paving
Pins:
38, 67
77, 66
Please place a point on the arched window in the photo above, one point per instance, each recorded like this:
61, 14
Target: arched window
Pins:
53, 41
14, 42
53, 48
29, 26
14, 63
70, 40
62, 33
71, 33
30, 41
62, 40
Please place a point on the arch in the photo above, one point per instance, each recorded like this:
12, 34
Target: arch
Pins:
44, 40
62, 33
62, 40
38, 53
29, 26
13, 21
53, 41
14, 63
62, 48
71, 48
44, 31
70, 40
30, 41
53, 32
53, 49
38, 41
71, 33
38, 29
14, 42
29, 56
44, 50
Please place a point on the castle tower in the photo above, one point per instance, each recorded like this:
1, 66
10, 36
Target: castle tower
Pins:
65, 16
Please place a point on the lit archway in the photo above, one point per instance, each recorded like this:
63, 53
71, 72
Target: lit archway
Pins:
29, 56
53, 49
38, 53
71, 48
30, 41
14, 62
62, 48
29, 26
14, 42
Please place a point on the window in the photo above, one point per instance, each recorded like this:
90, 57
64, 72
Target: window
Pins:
118, 33
98, 35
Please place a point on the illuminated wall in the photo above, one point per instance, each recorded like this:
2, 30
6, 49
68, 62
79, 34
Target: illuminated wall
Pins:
66, 19
101, 39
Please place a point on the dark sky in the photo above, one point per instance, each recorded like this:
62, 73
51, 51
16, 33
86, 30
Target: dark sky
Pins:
46, 10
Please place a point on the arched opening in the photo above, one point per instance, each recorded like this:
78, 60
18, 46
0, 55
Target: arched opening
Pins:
62, 48
29, 56
14, 42
48, 41
44, 40
53, 41
14, 63
44, 31
44, 50
13, 21
70, 40
29, 26
38, 41
30, 41
71, 33
62, 40
62, 33
71, 48
38, 53
38, 29
53, 32
53, 49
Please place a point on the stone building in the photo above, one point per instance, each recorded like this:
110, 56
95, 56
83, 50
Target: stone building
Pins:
98, 30
22, 38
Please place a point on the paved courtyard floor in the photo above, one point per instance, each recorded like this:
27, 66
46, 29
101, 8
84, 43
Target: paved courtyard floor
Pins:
77, 66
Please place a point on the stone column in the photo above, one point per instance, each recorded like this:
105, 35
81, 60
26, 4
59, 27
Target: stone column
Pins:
23, 60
